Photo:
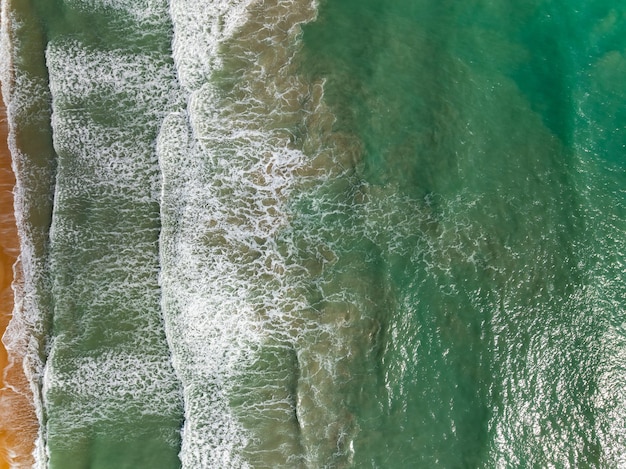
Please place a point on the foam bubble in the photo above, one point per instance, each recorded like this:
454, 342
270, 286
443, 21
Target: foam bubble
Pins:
141, 11
26, 96
199, 29
259, 196
108, 366
136, 89
234, 288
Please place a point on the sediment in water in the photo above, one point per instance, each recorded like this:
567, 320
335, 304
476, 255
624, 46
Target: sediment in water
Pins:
25, 93
18, 422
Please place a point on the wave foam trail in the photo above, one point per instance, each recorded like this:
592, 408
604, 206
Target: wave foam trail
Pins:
109, 387
24, 90
199, 29
257, 366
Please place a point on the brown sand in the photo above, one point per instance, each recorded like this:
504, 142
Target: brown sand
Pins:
18, 422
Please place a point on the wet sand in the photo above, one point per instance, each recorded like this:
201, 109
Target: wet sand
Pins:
18, 423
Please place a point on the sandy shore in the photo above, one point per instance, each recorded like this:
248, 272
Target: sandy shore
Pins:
18, 423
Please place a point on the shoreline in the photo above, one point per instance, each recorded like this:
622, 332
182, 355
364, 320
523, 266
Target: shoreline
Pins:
18, 422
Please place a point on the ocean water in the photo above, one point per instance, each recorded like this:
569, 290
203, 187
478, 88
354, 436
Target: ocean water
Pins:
334, 234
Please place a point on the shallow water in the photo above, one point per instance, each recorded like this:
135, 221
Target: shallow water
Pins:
345, 234
18, 423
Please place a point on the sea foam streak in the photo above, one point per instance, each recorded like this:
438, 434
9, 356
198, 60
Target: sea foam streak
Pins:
257, 366
109, 387
25, 93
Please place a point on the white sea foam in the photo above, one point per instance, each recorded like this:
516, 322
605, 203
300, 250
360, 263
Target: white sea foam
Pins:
108, 367
230, 284
218, 254
23, 94
263, 366
199, 29
141, 11
136, 89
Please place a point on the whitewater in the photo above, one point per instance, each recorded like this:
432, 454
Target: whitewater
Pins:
302, 234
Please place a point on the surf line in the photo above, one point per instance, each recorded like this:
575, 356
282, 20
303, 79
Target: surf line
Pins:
18, 422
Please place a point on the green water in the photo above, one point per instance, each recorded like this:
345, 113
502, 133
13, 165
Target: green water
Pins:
393, 238
110, 396
489, 141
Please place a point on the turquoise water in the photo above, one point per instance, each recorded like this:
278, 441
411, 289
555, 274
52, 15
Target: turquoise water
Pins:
382, 234
479, 118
